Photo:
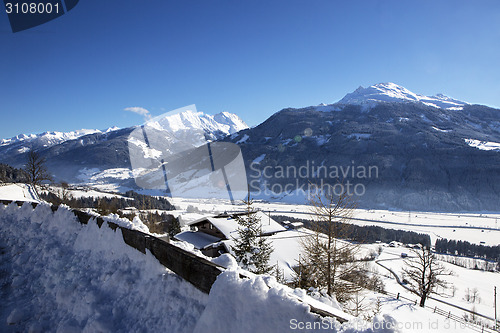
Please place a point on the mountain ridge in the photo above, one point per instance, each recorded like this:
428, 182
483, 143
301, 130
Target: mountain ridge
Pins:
391, 92
429, 157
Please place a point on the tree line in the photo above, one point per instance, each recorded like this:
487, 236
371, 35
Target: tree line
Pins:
109, 205
366, 234
466, 249
156, 222
10, 174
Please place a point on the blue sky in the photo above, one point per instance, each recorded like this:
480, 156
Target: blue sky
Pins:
252, 58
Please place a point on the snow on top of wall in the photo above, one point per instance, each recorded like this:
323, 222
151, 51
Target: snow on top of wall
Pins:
65, 277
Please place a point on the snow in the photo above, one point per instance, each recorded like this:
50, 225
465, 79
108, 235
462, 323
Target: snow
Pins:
84, 278
198, 239
51, 138
440, 130
461, 279
253, 305
327, 108
186, 119
94, 176
321, 139
391, 92
18, 192
287, 248
475, 227
61, 276
259, 159
243, 139
94, 194
229, 226
232, 120
483, 145
359, 136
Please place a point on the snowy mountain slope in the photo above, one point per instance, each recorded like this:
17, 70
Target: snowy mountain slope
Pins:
77, 156
391, 92
23, 142
223, 123
189, 128
426, 157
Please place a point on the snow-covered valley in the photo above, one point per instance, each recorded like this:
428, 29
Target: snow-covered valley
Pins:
62, 276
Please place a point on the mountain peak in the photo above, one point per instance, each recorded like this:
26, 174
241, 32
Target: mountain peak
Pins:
189, 119
389, 92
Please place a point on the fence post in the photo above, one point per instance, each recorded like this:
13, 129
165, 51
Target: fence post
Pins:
435, 309
397, 297
449, 314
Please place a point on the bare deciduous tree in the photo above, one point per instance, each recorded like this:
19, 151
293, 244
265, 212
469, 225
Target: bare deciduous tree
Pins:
36, 169
423, 273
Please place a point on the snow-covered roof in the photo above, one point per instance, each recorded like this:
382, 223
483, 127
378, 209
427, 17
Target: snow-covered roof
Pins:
199, 239
229, 226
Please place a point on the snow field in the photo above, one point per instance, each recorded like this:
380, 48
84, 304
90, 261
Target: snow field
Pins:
460, 280
474, 227
17, 192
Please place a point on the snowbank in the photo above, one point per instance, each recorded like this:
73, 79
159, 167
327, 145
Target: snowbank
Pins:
57, 275
60, 276
259, 304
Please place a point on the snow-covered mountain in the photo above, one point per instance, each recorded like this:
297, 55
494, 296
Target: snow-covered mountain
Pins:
429, 153
193, 127
103, 156
25, 142
391, 92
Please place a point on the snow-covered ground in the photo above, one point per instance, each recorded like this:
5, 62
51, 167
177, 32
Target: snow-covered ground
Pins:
81, 192
18, 192
63, 276
60, 276
460, 280
473, 227
483, 145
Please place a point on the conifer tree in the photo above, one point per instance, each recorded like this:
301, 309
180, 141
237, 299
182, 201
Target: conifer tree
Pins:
327, 262
251, 249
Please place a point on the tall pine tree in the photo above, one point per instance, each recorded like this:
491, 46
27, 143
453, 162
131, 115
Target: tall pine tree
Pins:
252, 251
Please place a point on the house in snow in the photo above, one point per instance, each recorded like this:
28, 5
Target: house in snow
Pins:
213, 235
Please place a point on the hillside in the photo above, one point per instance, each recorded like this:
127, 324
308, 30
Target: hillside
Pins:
403, 154
102, 157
